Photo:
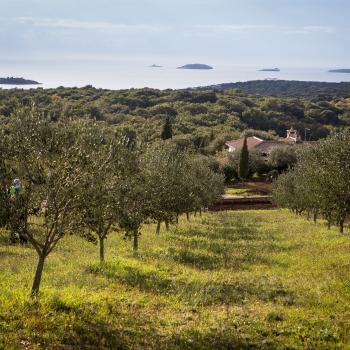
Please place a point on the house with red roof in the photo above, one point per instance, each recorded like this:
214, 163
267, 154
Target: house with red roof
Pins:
266, 146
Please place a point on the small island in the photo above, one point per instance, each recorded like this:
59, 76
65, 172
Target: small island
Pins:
339, 71
155, 66
269, 70
17, 81
195, 66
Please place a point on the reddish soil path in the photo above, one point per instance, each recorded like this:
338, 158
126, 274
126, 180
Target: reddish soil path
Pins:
243, 203
258, 196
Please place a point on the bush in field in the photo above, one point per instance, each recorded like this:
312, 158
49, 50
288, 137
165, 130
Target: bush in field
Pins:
320, 182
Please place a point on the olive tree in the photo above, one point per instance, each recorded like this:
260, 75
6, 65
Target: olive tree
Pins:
4, 179
321, 180
206, 185
163, 167
50, 165
110, 166
178, 182
135, 208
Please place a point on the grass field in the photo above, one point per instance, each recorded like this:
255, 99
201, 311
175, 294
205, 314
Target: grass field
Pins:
228, 280
249, 189
236, 191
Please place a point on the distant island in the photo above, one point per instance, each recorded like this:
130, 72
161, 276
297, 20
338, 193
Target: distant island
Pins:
195, 66
155, 66
339, 71
269, 70
17, 81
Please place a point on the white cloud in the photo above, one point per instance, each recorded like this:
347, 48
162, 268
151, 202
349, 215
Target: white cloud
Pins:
87, 25
311, 30
238, 28
232, 28
199, 30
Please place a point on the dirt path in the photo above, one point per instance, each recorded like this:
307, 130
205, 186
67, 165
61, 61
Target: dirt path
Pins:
230, 202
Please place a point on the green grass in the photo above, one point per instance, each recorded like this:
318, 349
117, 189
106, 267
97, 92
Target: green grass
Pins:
236, 191
230, 280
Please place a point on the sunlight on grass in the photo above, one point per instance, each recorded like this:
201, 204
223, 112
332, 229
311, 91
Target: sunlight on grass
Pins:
252, 279
236, 191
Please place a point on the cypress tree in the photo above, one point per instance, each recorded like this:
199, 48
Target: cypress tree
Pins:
167, 132
243, 165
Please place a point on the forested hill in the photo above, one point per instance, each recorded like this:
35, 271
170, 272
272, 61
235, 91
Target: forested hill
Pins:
200, 119
291, 88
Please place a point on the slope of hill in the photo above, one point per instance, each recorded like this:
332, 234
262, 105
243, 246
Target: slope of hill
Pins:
234, 280
291, 88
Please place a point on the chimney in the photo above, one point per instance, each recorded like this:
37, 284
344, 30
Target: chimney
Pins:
292, 135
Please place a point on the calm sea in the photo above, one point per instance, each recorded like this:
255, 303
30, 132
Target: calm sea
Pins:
124, 75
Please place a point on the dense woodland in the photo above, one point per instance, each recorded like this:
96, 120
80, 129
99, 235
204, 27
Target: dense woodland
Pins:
288, 88
203, 120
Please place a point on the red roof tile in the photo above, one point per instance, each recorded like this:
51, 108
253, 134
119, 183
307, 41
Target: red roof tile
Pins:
252, 142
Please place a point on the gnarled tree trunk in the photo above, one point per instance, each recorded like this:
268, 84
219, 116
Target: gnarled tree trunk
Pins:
135, 243
158, 227
102, 249
37, 276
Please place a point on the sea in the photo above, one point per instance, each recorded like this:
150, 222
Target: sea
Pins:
116, 74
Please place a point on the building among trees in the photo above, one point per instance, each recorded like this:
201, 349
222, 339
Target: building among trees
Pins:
265, 147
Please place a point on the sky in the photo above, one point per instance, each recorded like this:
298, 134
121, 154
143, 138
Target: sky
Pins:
305, 33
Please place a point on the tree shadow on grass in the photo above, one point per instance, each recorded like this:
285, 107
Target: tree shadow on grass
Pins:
239, 247
240, 231
109, 325
208, 260
223, 339
199, 292
218, 246
8, 254
59, 325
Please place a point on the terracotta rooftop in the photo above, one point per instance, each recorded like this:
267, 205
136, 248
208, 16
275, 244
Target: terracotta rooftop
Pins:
268, 145
265, 146
252, 142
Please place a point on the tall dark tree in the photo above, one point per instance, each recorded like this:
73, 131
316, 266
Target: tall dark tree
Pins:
243, 165
167, 132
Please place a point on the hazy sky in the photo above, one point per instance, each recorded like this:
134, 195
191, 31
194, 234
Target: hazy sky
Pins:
238, 32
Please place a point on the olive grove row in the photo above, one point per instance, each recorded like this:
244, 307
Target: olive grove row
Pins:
82, 177
319, 184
